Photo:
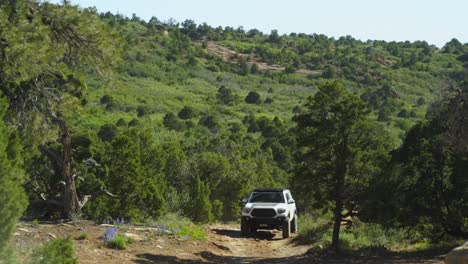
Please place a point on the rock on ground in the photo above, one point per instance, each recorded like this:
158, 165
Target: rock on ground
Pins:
458, 255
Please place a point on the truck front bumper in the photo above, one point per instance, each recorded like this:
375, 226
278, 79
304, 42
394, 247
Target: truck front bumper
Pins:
265, 223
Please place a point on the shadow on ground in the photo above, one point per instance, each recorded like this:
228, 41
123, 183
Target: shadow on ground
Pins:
209, 257
262, 235
418, 257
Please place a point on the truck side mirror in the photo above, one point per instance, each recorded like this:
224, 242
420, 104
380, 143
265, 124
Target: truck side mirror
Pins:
244, 200
291, 201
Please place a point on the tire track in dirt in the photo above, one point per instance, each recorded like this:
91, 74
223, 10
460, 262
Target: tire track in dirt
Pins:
262, 247
227, 246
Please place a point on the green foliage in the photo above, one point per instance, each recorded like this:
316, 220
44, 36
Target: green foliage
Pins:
429, 183
254, 68
341, 151
186, 113
107, 132
83, 236
118, 242
182, 226
360, 238
127, 174
268, 100
453, 46
201, 209
43, 55
225, 95
172, 122
12, 199
195, 232
55, 251
209, 121
427, 173
243, 67
130, 240
329, 72
142, 111
253, 98
167, 127
314, 229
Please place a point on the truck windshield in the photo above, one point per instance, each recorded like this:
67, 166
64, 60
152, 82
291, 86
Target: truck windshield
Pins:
267, 197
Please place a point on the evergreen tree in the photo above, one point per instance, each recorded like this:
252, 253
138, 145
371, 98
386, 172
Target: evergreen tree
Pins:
253, 98
341, 151
254, 68
133, 178
425, 185
186, 113
200, 209
12, 196
43, 46
225, 95
243, 67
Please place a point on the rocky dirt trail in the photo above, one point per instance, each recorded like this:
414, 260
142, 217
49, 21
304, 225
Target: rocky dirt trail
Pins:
263, 247
232, 56
224, 245
269, 247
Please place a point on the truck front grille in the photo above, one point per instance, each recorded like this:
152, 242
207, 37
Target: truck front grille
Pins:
259, 212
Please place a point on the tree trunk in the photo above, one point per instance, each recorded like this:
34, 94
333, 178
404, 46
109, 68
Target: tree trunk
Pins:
340, 172
337, 216
71, 204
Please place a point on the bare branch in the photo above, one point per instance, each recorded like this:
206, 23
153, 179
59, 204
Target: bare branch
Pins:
88, 198
54, 157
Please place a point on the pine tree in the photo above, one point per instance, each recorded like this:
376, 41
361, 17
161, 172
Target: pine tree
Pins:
200, 210
42, 47
341, 151
12, 196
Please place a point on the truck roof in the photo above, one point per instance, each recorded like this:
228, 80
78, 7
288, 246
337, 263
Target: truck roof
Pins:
270, 190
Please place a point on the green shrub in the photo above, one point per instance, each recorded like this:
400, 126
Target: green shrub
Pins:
186, 113
55, 251
118, 242
193, 232
253, 98
314, 230
225, 95
130, 240
83, 236
180, 226
363, 238
107, 132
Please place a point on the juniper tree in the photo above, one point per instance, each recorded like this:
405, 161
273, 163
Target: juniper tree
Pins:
12, 196
42, 49
340, 151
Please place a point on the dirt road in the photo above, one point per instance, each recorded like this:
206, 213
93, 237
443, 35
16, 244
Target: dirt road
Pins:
224, 245
263, 247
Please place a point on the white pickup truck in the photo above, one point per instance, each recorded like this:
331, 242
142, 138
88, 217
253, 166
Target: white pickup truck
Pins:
269, 209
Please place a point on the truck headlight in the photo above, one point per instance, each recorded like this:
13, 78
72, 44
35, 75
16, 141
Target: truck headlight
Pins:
246, 210
281, 210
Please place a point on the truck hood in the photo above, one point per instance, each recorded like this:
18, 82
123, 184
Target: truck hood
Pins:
265, 205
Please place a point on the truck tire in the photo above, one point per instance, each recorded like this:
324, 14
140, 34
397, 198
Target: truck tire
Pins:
294, 224
286, 229
253, 229
245, 229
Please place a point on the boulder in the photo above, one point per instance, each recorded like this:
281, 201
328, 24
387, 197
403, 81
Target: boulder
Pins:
458, 255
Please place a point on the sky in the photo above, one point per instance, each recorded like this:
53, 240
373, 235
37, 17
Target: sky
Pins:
436, 22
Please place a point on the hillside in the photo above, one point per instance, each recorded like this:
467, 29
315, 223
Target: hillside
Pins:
109, 117
166, 68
